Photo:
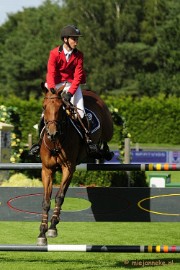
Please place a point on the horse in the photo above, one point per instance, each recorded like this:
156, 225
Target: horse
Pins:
62, 148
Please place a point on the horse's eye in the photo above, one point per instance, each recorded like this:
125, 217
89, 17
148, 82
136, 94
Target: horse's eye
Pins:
44, 107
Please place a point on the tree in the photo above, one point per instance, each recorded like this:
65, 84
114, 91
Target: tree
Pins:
27, 38
105, 24
130, 46
160, 29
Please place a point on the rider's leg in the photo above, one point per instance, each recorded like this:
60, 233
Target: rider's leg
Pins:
93, 149
78, 101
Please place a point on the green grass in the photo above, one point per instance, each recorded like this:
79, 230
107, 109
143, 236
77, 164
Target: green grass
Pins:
154, 146
90, 233
73, 204
149, 146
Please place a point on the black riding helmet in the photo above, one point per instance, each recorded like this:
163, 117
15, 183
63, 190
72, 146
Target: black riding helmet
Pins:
70, 31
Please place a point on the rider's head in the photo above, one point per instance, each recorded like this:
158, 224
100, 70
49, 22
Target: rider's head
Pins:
70, 35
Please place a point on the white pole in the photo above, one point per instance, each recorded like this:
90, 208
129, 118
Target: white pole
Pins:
127, 154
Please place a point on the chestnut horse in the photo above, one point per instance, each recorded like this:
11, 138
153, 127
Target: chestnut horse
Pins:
63, 148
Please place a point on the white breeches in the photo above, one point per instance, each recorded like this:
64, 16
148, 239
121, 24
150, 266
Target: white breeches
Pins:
77, 98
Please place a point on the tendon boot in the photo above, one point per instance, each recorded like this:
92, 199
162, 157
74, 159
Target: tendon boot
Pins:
92, 148
35, 149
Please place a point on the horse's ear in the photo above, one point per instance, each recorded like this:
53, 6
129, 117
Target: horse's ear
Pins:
43, 87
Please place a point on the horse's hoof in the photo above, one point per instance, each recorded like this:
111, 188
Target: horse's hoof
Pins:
52, 233
41, 241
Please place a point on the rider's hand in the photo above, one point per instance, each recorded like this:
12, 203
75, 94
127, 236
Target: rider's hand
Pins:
66, 96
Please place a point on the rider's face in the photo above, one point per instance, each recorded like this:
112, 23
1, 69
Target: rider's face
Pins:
73, 42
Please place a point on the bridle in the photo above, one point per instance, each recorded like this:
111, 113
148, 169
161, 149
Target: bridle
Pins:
69, 110
55, 150
56, 122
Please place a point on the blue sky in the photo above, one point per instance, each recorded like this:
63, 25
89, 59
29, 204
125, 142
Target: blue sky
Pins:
13, 6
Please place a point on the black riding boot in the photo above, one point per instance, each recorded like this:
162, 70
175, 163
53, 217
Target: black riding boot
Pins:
35, 149
92, 148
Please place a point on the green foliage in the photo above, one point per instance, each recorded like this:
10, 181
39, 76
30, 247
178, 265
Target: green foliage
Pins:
106, 179
138, 179
21, 180
130, 47
152, 120
25, 115
9, 115
93, 178
96, 178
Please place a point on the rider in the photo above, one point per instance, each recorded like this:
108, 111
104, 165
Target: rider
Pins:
65, 67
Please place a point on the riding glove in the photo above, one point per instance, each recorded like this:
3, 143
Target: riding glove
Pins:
66, 96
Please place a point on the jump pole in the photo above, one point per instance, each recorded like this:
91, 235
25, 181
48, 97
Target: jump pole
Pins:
98, 167
90, 248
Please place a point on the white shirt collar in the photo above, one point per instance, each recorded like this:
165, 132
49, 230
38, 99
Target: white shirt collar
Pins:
66, 52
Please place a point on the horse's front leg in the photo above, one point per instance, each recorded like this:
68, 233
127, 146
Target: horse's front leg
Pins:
47, 179
67, 174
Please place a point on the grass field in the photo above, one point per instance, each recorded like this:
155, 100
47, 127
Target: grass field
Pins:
91, 233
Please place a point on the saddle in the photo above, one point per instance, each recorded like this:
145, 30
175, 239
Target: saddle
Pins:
92, 118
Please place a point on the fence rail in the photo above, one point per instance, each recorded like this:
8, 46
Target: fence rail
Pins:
92, 248
98, 167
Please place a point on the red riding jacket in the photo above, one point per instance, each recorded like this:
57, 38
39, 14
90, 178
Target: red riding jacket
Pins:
59, 70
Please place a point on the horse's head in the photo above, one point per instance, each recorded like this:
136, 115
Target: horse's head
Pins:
53, 111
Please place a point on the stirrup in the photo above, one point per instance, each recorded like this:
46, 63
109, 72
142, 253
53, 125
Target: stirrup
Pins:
35, 149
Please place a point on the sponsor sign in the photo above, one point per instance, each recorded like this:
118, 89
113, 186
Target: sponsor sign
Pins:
140, 157
149, 156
